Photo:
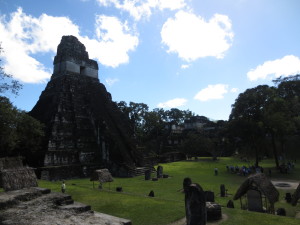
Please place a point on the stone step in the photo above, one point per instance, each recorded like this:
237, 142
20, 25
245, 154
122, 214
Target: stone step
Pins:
108, 219
77, 207
42, 190
139, 171
11, 198
64, 199
44, 210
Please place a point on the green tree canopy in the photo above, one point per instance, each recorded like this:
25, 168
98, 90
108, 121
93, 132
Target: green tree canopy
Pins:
20, 134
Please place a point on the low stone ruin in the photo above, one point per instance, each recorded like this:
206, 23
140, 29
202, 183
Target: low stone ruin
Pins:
39, 206
14, 176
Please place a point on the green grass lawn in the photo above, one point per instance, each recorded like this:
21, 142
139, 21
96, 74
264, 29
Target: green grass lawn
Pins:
168, 204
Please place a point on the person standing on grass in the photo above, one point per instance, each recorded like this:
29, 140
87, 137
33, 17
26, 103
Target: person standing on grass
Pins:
216, 171
63, 187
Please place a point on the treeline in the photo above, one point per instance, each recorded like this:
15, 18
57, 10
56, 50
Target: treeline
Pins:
265, 120
160, 131
20, 134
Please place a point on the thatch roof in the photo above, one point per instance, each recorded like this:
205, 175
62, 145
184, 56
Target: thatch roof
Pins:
296, 196
261, 183
18, 178
102, 176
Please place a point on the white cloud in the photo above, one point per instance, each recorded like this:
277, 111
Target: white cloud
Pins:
139, 9
191, 37
111, 81
23, 36
176, 102
171, 4
286, 66
115, 40
185, 66
234, 90
216, 91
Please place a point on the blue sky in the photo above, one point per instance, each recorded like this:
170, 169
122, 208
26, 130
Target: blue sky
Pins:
188, 54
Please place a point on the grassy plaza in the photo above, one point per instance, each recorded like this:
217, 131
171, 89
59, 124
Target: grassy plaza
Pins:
168, 204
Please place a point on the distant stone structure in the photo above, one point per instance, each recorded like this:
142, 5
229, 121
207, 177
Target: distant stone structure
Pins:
85, 130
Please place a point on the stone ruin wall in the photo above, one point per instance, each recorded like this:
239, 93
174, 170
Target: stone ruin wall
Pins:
15, 176
82, 68
73, 57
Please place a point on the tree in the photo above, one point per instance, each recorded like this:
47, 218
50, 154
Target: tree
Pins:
20, 134
284, 113
273, 111
7, 83
289, 90
177, 116
153, 130
8, 124
196, 144
249, 111
247, 135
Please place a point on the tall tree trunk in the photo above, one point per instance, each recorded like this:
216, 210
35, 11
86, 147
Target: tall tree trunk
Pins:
275, 153
256, 157
255, 148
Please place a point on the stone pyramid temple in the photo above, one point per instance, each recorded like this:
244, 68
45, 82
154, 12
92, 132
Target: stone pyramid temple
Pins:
84, 128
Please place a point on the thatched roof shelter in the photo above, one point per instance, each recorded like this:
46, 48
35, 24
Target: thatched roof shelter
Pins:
261, 183
18, 178
102, 176
296, 196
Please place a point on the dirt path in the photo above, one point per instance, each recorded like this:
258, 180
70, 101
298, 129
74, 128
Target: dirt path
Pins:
183, 222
